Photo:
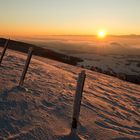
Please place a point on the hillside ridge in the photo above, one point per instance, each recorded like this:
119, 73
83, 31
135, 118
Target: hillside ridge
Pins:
43, 108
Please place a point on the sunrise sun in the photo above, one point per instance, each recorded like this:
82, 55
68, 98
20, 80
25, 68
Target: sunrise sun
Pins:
101, 34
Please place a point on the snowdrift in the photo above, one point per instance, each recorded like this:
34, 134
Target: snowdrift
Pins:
42, 110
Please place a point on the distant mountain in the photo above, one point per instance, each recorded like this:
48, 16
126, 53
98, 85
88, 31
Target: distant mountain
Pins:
125, 36
39, 51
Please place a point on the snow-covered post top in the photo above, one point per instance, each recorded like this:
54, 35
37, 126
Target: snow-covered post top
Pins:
4, 50
77, 100
30, 52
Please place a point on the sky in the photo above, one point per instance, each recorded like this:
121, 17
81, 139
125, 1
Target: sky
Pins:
69, 17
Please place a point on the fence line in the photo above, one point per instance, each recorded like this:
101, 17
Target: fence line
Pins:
79, 88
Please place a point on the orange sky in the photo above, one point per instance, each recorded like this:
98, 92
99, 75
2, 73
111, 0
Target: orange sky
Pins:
69, 17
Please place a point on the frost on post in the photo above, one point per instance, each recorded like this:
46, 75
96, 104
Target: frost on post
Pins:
77, 100
30, 52
4, 50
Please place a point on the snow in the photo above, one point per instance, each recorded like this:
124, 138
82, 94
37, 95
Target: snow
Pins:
42, 110
118, 63
121, 54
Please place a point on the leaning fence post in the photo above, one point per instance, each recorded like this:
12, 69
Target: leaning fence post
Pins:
30, 52
77, 100
4, 50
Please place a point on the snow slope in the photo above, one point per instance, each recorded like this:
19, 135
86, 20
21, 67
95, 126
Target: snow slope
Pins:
118, 54
42, 110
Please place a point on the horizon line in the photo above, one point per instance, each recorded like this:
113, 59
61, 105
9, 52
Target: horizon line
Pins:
31, 36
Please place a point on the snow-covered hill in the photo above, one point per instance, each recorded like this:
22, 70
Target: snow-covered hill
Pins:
42, 110
118, 56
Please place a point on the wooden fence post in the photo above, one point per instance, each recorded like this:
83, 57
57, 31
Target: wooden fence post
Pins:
30, 52
77, 100
4, 50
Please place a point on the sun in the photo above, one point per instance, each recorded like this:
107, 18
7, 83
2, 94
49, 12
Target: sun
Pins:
101, 34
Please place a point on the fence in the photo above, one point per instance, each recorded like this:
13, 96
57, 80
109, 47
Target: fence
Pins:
30, 53
79, 88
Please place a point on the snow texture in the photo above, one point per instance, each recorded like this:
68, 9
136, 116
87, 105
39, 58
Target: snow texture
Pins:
42, 110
